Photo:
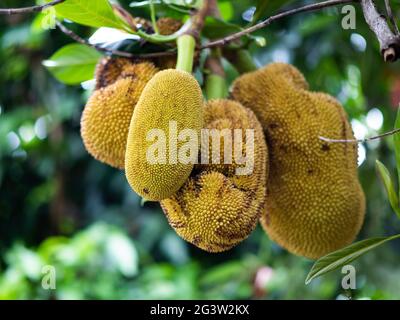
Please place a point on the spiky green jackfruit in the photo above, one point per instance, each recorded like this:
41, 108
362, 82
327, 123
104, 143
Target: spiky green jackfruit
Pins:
315, 203
107, 115
217, 208
171, 98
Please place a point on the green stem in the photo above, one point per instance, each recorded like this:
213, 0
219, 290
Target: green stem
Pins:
242, 60
153, 17
186, 47
156, 38
216, 87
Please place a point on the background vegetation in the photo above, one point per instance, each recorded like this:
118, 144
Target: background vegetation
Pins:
59, 206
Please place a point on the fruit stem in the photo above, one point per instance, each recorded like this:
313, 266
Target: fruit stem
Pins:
216, 87
153, 16
241, 60
186, 47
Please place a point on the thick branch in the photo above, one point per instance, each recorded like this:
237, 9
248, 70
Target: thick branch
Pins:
268, 21
391, 17
388, 41
30, 9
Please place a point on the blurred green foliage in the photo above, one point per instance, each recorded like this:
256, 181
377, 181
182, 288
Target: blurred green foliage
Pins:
60, 207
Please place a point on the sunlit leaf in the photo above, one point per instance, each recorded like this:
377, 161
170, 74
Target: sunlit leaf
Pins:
387, 182
73, 63
93, 13
344, 256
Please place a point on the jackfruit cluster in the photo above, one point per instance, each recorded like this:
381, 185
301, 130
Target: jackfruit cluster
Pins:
171, 96
216, 208
107, 114
314, 204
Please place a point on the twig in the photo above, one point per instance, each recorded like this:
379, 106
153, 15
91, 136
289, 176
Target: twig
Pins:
80, 40
38, 8
386, 134
268, 21
391, 17
388, 41
119, 53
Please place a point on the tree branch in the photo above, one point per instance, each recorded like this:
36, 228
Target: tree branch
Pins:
119, 53
388, 41
80, 40
38, 8
391, 17
268, 21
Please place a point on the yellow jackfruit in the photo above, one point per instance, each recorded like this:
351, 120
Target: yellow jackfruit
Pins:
170, 98
216, 208
315, 203
107, 115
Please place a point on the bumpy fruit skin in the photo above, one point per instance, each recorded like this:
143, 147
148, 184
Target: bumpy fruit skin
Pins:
109, 70
106, 118
171, 95
216, 209
167, 26
315, 204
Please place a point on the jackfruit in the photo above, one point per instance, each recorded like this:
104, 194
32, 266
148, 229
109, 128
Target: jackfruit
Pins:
315, 204
171, 97
168, 26
107, 114
109, 70
216, 208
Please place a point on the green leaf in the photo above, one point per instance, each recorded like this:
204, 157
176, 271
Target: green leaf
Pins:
266, 7
73, 63
396, 139
215, 28
342, 257
182, 3
387, 182
93, 13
